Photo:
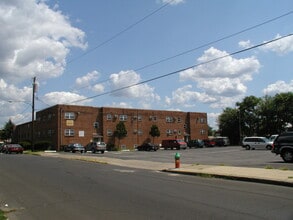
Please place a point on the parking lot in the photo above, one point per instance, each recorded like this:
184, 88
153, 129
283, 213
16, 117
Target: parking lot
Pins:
224, 156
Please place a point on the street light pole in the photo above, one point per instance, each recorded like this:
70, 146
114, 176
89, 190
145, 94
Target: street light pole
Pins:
33, 114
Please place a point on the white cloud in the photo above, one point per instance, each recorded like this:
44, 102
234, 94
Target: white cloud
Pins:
245, 44
185, 97
120, 105
98, 88
87, 79
212, 120
35, 40
14, 100
224, 67
11, 92
54, 98
279, 87
124, 79
280, 47
171, 2
221, 82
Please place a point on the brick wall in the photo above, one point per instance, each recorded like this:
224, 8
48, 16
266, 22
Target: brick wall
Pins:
64, 124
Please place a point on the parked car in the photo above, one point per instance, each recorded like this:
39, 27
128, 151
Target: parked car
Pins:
174, 143
147, 147
96, 147
209, 143
257, 143
195, 143
283, 146
74, 147
221, 141
13, 148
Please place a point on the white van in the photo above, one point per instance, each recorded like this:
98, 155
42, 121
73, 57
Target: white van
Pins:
257, 143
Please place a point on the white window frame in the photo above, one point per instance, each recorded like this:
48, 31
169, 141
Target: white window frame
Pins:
202, 131
69, 115
69, 132
122, 117
109, 132
169, 132
169, 119
139, 132
109, 117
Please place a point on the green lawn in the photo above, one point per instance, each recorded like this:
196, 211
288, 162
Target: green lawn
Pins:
2, 216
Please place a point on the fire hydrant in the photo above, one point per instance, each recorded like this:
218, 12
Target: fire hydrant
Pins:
177, 160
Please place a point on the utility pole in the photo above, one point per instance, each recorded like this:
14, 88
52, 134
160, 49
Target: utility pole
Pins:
33, 114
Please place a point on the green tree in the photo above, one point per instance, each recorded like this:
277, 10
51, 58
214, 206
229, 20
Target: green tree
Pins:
229, 125
284, 110
258, 116
249, 120
154, 132
120, 131
267, 116
7, 131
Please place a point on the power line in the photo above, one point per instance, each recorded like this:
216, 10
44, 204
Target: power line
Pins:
121, 32
201, 46
184, 69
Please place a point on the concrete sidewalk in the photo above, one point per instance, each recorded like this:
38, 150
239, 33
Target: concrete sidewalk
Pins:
260, 175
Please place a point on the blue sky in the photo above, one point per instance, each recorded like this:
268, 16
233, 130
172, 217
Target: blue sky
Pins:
80, 51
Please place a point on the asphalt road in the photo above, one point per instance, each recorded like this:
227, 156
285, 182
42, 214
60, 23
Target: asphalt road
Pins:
44, 188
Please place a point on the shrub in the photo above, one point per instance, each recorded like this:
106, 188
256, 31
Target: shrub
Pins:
26, 145
43, 145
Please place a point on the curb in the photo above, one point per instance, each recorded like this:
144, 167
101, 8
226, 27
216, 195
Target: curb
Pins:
231, 177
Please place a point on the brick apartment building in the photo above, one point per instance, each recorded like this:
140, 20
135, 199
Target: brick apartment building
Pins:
64, 124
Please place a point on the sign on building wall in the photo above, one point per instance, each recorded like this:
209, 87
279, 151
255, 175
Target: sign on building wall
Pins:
81, 133
69, 123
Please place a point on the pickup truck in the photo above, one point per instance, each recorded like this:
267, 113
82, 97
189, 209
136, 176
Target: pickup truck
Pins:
283, 146
96, 147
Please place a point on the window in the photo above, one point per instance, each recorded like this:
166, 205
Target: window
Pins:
69, 132
169, 132
202, 131
169, 119
69, 115
96, 124
123, 117
179, 120
109, 117
139, 132
50, 132
50, 116
109, 132
139, 117
201, 120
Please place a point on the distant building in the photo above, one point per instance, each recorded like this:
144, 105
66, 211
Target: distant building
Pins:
64, 124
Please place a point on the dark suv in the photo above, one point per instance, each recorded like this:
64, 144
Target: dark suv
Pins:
283, 146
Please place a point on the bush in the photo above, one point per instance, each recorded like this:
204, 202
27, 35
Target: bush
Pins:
111, 147
26, 145
43, 145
